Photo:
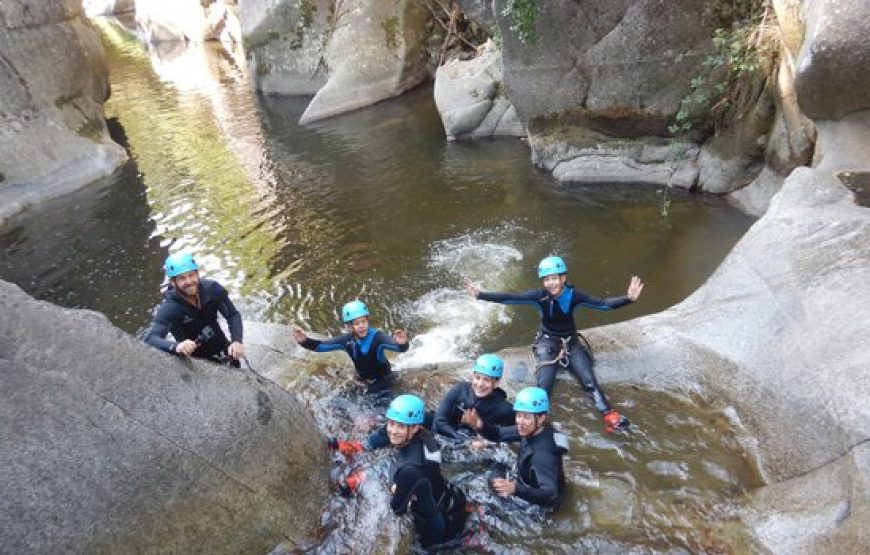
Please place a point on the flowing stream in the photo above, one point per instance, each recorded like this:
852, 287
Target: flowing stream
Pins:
297, 220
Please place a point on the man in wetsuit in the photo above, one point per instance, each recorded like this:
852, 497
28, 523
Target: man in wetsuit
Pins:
468, 405
365, 345
539, 475
189, 310
557, 343
438, 508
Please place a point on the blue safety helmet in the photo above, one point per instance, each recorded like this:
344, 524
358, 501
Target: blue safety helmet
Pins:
407, 409
489, 365
353, 310
552, 265
532, 399
179, 263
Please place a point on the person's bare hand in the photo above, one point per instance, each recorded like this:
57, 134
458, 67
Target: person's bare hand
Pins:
472, 288
236, 350
186, 347
477, 444
635, 286
299, 335
504, 488
471, 419
400, 337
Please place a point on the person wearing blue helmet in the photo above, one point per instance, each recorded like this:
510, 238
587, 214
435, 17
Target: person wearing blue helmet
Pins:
365, 345
438, 508
468, 405
538, 475
557, 343
189, 311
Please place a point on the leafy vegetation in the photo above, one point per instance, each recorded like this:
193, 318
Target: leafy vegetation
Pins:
523, 14
744, 49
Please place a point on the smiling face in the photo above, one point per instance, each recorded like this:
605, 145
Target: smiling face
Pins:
554, 283
187, 283
483, 385
359, 327
399, 433
528, 423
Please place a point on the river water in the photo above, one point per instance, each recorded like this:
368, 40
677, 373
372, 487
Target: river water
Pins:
297, 220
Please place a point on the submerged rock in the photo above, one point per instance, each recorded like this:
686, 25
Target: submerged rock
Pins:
112, 446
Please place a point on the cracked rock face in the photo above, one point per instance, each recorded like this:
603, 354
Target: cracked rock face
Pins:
109, 445
53, 82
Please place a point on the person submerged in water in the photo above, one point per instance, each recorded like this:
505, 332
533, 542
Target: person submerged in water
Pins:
557, 342
365, 345
539, 476
417, 485
480, 400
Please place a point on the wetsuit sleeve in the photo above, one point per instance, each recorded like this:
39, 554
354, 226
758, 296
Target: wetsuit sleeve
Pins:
507, 434
408, 480
326, 345
505, 415
441, 424
609, 303
377, 439
386, 342
546, 493
159, 329
529, 297
234, 318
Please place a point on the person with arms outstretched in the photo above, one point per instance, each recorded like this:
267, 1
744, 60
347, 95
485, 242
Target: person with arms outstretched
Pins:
557, 342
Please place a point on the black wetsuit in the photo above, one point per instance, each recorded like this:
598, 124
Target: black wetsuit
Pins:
438, 508
186, 321
540, 477
368, 355
557, 324
492, 409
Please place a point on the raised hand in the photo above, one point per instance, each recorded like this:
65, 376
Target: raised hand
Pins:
472, 288
299, 335
635, 286
400, 337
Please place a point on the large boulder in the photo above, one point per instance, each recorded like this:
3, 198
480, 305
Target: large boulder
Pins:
831, 77
53, 82
628, 61
285, 42
778, 334
471, 100
109, 445
376, 50
188, 20
600, 83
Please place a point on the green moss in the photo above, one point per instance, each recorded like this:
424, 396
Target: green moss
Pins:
390, 26
587, 125
273, 35
306, 12
91, 129
263, 68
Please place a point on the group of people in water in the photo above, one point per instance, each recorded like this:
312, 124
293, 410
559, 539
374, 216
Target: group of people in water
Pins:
471, 411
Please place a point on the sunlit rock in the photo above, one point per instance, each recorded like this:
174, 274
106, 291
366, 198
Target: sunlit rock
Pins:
376, 50
471, 99
53, 82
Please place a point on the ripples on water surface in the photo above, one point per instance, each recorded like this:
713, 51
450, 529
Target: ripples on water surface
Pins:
298, 220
